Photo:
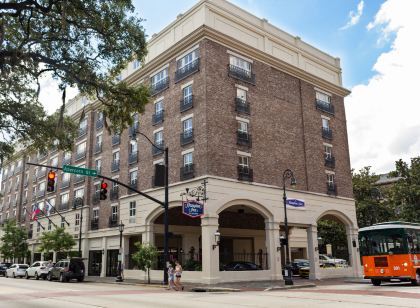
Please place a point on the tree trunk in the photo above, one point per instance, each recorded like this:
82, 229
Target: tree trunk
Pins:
148, 275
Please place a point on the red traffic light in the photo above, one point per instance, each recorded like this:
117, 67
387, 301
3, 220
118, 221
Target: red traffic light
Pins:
51, 175
104, 185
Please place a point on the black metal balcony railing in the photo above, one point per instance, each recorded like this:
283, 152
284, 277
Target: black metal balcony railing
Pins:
76, 203
157, 117
241, 74
132, 158
245, 173
159, 86
115, 139
187, 172
187, 137
94, 224
331, 189
243, 138
186, 103
80, 155
98, 148
330, 161
99, 123
133, 184
96, 197
79, 178
242, 106
114, 193
324, 106
113, 221
133, 129
65, 184
115, 165
158, 149
66, 161
82, 131
326, 133
187, 70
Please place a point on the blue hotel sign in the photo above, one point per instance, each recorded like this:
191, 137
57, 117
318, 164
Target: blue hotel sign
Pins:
295, 202
192, 208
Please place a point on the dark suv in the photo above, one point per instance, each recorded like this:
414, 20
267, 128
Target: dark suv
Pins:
3, 267
65, 270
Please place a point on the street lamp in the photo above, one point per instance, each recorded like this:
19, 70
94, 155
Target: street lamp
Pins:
287, 174
119, 277
79, 202
166, 204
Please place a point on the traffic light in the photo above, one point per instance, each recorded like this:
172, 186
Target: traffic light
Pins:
104, 191
51, 181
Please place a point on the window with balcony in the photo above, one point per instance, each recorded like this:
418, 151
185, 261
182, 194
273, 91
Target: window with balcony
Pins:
187, 99
323, 103
96, 193
54, 162
187, 170
158, 138
136, 124
241, 102
41, 189
95, 219
331, 186
67, 158
157, 117
99, 120
159, 82
80, 151
113, 219
115, 139
326, 130
114, 194
42, 172
64, 201
65, 180
187, 65
98, 144
245, 173
132, 212
243, 136
133, 154
329, 158
78, 193
49, 206
133, 180
187, 135
241, 69
79, 178
115, 165
82, 127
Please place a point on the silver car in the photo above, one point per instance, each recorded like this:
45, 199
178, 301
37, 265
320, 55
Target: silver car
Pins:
17, 270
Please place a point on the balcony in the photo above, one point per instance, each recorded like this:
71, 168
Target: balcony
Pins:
79, 179
241, 74
98, 148
187, 172
94, 224
159, 86
324, 106
113, 221
243, 138
133, 129
76, 203
326, 133
330, 161
157, 117
187, 137
245, 173
82, 131
158, 149
242, 106
114, 193
99, 123
66, 161
186, 103
187, 70
80, 156
331, 189
133, 184
115, 140
65, 184
132, 158
115, 166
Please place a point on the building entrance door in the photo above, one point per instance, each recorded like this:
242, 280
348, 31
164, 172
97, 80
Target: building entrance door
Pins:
95, 263
112, 263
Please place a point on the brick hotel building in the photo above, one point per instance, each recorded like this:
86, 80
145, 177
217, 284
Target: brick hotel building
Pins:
237, 101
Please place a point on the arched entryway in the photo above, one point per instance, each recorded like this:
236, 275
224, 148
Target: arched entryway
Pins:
332, 241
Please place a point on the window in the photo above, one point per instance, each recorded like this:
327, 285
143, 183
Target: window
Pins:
188, 159
133, 177
62, 222
243, 127
133, 146
67, 157
244, 161
81, 148
136, 64
98, 165
116, 157
136, 120
132, 212
328, 151
323, 97
83, 124
54, 162
159, 107
330, 179
50, 208
41, 206
95, 214
114, 213
84, 101
19, 164
241, 94
187, 125
99, 139
77, 219
41, 187
100, 116
187, 92
325, 123
241, 63
159, 77
79, 193
66, 177
187, 59
159, 137
64, 199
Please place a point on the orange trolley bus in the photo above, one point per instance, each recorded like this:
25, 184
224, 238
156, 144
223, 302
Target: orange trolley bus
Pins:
391, 250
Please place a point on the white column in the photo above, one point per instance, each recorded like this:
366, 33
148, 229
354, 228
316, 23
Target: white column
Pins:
354, 259
42, 256
124, 253
210, 256
54, 257
148, 236
272, 240
32, 253
103, 265
313, 253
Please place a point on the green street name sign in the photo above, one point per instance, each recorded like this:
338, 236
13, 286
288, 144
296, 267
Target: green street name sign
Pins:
81, 171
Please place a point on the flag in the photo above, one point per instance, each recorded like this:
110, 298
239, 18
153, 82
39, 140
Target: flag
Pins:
47, 208
35, 212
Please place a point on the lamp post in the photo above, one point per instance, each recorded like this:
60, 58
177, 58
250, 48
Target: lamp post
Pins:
287, 174
165, 207
79, 202
119, 277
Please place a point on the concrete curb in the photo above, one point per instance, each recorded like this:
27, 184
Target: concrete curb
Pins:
216, 289
312, 285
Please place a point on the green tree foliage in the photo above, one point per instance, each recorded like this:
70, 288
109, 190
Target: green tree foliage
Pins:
57, 240
372, 205
405, 194
145, 257
13, 242
334, 233
82, 43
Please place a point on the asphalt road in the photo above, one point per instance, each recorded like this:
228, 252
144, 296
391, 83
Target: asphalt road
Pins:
21, 293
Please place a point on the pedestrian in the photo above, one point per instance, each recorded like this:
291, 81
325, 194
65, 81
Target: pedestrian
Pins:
171, 274
178, 273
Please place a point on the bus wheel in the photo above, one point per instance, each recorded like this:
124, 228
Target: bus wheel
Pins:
416, 282
376, 282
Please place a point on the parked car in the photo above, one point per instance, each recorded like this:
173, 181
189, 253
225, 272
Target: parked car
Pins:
65, 270
17, 270
324, 259
38, 270
3, 267
241, 266
297, 264
304, 272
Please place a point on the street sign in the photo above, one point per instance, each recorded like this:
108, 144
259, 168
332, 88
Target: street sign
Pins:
81, 171
192, 208
295, 202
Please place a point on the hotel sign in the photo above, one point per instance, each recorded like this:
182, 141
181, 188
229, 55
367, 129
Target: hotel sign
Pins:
295, 202
192, 208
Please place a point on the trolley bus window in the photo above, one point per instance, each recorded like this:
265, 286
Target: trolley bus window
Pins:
386, 242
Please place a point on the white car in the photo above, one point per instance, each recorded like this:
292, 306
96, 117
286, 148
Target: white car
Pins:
17, 270
38, 270
328, 261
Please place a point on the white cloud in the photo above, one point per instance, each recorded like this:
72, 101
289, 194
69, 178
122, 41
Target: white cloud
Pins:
354, 17
384, 114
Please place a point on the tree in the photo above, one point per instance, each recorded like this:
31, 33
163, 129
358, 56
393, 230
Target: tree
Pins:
145, 257
13, 242
57, 240
334, 233
82, 43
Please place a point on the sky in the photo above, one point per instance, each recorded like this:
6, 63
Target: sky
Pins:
376, 42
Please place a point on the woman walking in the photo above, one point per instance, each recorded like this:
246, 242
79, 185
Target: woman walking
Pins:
171, 274
178, 273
